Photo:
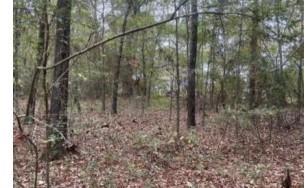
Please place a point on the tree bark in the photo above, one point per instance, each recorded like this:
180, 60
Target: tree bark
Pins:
191, 67
118, 66
58, 116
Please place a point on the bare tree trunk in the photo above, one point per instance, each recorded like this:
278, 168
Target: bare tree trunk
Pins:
191, 67
280, 75
171, 99
58, 116
238, 87
149, 84
118, 66
98, 52
204, 103
44, 77
103, 83
224, 65
254, 56
103, 61
203, 88
151, 73
300, 69
131, 41
300, 85
177, 81
144, 74
187, 31
212, 86
41, 60
16, 53
211, 60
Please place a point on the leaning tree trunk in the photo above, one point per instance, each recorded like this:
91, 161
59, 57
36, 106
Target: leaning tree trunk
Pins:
191, 67
118, 66
58, 116
41, 59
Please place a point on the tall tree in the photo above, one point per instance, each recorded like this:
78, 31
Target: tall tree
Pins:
213, 66
207, 78
300, 64
17, 34
177, 79
97, 52
103, 61
118, 65
254, 57
144, 73
222, 94
58, 116
279, 69
238, 58
41, 58
191, 66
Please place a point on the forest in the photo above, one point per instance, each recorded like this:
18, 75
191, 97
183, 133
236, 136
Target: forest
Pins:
158, 93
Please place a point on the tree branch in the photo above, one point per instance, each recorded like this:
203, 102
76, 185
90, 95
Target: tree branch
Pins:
100, 43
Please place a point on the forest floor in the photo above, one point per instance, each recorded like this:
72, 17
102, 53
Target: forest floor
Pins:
140, 151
